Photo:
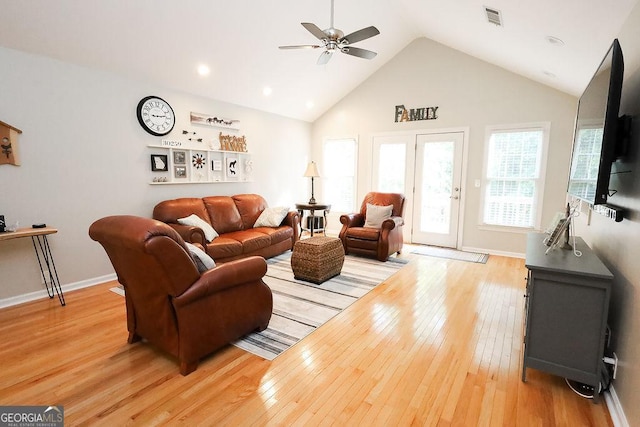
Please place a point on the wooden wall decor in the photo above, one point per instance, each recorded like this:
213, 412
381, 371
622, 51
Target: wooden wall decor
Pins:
9, 153
409, 115
233, 143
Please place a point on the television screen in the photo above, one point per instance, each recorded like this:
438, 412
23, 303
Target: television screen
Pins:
596, 133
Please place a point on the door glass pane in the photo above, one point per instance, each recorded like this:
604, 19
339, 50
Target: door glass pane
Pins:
437, 178
391, 168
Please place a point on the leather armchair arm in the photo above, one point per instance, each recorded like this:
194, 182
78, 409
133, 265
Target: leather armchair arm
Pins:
224, 276
189, 233
393, 222
352, 220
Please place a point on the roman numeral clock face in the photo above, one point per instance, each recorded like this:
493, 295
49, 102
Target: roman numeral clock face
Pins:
155, 115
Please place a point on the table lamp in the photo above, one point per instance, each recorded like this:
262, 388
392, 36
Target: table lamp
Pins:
312, 172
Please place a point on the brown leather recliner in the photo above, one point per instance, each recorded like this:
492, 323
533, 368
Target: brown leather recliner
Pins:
380, 242
172, 305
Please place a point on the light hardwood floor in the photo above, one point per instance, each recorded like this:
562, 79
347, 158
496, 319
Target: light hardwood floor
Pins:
437, 344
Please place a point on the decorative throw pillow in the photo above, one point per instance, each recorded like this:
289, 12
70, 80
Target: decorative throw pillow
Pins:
271, 217
203, 261
195, 221
376, 215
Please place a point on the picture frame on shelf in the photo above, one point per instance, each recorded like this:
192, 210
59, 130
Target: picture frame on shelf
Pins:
159, 163
180, 172
233, 168
216, 165
179, 157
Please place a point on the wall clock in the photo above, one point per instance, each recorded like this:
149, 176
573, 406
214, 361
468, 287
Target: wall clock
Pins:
155, 115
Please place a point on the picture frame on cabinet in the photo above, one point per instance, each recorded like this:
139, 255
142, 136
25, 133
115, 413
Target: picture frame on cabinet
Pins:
179, 157
159, 163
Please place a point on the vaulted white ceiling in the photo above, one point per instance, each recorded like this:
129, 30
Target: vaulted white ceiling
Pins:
164, 41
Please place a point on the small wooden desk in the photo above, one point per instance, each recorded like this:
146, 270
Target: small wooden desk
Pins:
301, 207
43, 254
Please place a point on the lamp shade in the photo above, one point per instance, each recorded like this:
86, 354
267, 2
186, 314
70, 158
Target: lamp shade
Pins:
312, 170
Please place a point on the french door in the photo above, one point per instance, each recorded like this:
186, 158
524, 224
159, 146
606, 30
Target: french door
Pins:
428, 169
436, 203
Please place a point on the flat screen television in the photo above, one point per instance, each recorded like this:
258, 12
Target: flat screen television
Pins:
597, 135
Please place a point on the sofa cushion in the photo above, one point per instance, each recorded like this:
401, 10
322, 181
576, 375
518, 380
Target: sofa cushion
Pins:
271, 217
223, 213
223, 247
250, 207
170, 210
251, 240
277, 235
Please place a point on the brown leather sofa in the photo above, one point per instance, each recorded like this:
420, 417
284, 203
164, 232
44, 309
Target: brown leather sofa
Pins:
233, 218
169, 303
380, 242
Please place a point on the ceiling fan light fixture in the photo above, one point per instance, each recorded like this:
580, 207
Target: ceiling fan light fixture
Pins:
333, 39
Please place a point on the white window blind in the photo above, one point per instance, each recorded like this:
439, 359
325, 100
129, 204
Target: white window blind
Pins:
512, 180
339, 174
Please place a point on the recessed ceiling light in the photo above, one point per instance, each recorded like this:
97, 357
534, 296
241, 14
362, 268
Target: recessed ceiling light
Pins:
554, 41
267, 91
310, 104
203, 70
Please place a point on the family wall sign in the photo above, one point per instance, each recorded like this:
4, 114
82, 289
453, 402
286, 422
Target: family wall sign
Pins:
402, 114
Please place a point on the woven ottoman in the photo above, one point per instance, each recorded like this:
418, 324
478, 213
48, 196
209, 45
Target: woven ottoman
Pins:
317, 259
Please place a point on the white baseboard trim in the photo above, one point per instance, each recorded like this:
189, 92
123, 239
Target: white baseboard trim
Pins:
615, 408
492, 252
32, 296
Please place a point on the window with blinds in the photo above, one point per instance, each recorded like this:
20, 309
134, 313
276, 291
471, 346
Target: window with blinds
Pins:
339, 174
513, 170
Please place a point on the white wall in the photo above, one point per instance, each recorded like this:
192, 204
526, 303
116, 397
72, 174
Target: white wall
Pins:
84, 156
470, 94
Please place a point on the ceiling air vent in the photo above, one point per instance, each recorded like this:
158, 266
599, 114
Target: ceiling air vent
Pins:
493, 16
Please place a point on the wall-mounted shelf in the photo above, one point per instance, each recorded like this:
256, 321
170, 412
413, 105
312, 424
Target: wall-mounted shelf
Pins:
177, 165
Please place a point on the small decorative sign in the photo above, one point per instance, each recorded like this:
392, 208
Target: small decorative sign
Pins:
170, 143
233, 143
9, 145
210, 120
413, 114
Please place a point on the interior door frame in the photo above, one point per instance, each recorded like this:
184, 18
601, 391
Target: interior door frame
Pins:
410, 181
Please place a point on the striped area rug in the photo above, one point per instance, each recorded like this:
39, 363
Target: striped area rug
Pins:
300, 307
439, 252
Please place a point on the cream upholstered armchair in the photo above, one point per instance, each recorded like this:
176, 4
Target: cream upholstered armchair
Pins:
375, 231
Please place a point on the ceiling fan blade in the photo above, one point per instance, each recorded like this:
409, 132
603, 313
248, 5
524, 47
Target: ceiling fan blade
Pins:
313, 29
324, 57
360, 35
360, 53
300, 46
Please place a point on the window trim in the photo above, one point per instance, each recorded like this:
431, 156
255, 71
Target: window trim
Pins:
327, 139
545, 127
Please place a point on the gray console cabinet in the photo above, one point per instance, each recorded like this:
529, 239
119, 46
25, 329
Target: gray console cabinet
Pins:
566, 308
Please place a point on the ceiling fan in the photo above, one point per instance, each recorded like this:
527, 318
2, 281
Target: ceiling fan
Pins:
334, 39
